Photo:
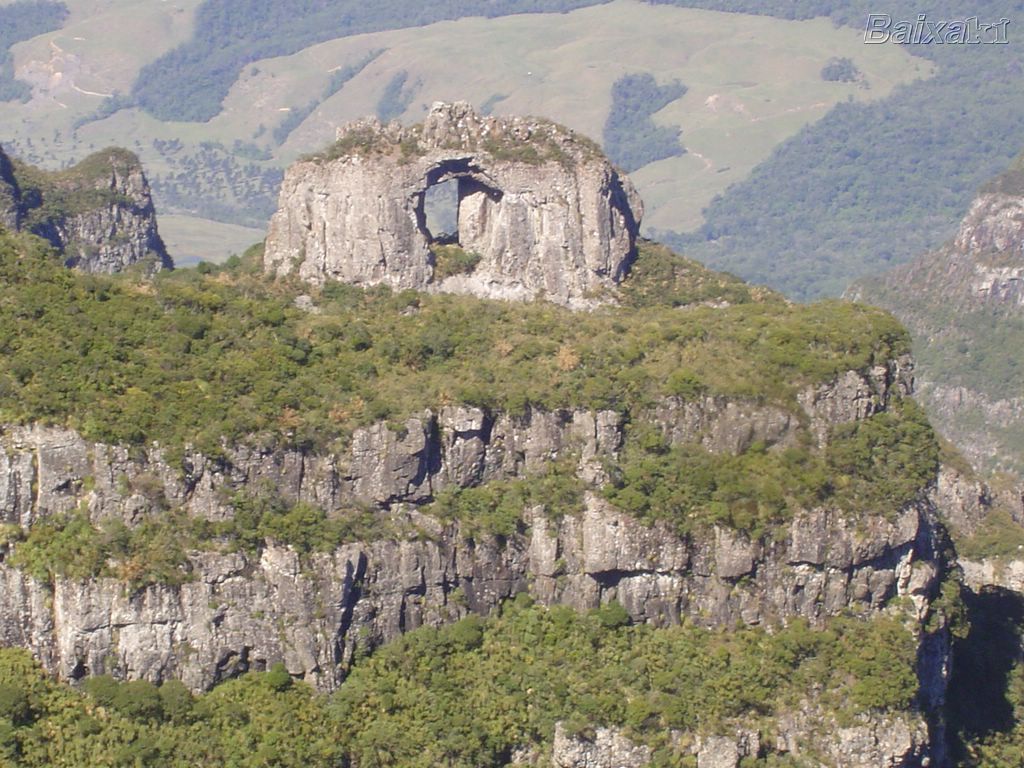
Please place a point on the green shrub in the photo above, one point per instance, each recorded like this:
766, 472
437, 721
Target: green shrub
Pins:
452, 260
876, 466
277, 678
998, 536
176, 702
139, 700
14, 705
883, 462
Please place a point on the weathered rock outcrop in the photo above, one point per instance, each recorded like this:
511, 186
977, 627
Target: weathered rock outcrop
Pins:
540, 207
99, 214
242, 611
875, 741
604, 748
43, 470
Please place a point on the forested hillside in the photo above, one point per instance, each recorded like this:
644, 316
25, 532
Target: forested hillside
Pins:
962, 305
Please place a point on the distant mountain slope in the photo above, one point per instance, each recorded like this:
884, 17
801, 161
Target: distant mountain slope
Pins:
191, 81
23, 20
752, 81
872, 185
964, 305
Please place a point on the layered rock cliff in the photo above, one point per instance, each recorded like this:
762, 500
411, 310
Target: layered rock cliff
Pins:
964, 305
237, 610
263, 552
98, 214
541, 212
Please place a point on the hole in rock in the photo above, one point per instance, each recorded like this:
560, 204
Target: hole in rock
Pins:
441, 206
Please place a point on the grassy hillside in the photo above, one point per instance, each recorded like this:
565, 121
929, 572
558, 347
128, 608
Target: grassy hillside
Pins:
873, 185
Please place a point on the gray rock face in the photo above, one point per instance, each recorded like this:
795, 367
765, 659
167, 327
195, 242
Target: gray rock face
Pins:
605, 748
874, 741
43, 471
243, 611
98, 214
545, 212
995, 224
806, 734
119, 231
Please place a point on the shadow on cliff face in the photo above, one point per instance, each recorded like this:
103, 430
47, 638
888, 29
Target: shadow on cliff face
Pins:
980, 697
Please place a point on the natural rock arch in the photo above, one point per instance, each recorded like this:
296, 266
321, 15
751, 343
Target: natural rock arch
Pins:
541, 210
470, 180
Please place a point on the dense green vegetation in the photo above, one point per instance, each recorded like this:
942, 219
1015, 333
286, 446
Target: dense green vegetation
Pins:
999, 536
631, 137
840, 70
203, 355
1011, 182
156, 550
72, 547
257, 720
23, 20
876, 465
870, 185
979, 350
468, 694
497, 508
962, 341
465, 695
660, 277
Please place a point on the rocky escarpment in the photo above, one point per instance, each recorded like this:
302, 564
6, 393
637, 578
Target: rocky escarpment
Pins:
99, 214
964, 306
876, 740
242, 610
541, 212
986, 521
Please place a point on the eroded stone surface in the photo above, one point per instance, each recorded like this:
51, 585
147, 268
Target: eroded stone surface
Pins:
103, 219
545, 211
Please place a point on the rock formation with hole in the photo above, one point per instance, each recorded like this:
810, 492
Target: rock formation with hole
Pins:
541, 212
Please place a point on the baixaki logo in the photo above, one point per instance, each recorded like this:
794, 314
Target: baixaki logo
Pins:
881, 28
